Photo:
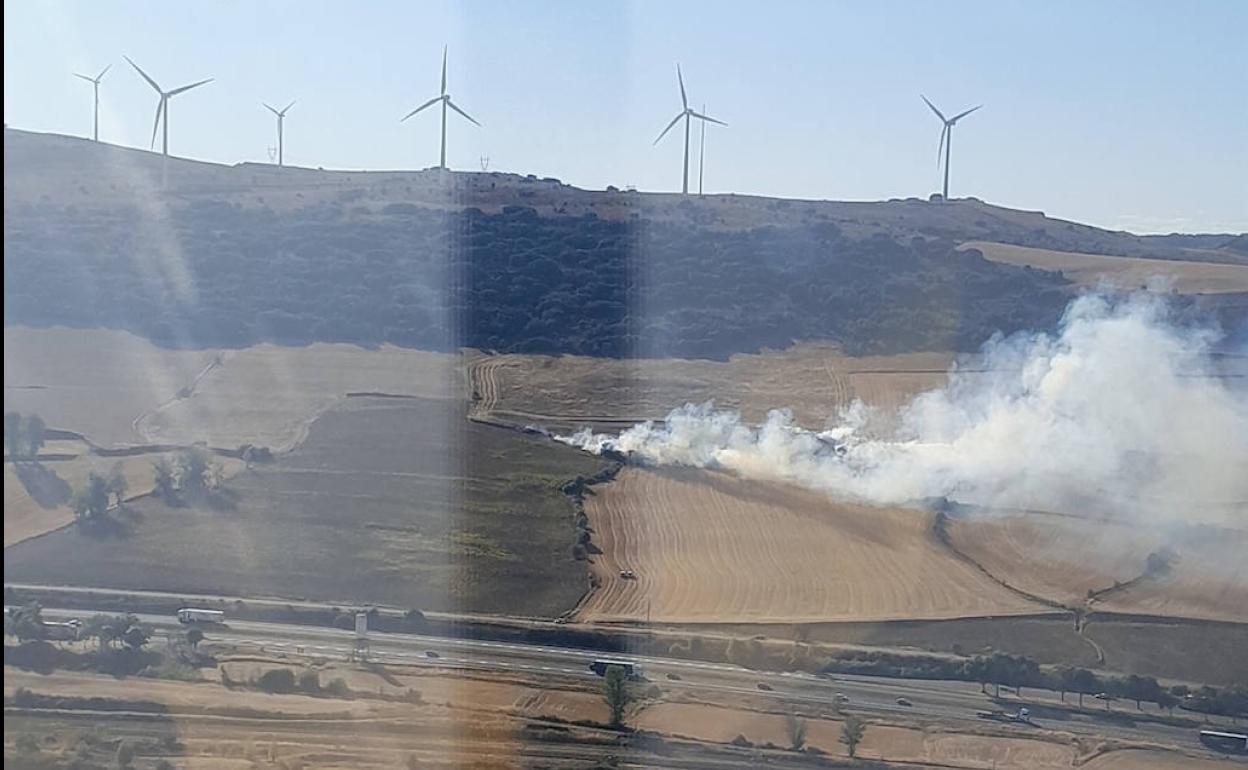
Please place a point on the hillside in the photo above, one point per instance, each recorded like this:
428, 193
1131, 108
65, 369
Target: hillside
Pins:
233, 256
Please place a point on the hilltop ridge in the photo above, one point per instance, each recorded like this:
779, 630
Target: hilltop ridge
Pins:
229, 256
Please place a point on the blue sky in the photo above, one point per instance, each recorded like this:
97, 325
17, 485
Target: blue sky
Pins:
1128, 115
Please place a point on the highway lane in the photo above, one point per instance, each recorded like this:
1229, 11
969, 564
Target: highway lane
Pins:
932, 699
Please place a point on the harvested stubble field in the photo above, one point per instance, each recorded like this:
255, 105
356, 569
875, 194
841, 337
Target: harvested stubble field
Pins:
1186, 277
1064, 557
118, 389
398, 501
815, 381
709, 547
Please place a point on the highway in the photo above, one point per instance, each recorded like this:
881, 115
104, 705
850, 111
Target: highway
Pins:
942, 701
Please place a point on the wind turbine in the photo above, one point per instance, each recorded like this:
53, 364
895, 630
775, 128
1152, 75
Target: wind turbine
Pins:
281, 116
946, 138
702, 153
445, 98
95, 82
163, 107
688, 114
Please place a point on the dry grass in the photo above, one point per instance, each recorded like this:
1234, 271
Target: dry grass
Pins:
97, 382
1064, 557
1123, 272
268, 395
814, 380
708, 547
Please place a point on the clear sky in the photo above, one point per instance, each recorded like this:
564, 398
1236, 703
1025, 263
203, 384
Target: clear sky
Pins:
1126, 114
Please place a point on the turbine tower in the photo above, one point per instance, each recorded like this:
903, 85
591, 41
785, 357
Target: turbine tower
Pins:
95, 82
688, 114
702, 153
281, 117
445, 98
163, 107
946, 139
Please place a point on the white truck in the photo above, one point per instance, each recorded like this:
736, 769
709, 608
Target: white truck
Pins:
193, 615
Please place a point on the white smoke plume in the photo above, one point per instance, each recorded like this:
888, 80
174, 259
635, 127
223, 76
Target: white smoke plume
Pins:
1120, 414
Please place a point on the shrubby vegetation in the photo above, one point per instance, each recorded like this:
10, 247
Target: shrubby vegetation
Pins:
23, 434
226, 276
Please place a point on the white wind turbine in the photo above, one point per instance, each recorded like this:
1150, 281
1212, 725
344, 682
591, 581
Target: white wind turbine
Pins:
162, 109
95, 82
445, 98
946, 139
688, 113
281, 118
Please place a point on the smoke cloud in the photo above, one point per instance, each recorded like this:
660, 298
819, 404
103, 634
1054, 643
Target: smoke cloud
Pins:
1120, 414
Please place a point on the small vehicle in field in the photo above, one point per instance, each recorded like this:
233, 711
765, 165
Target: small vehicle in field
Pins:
1102, 696
904, 702
628, 574
842, 698
431, 654
674, 677
764, 687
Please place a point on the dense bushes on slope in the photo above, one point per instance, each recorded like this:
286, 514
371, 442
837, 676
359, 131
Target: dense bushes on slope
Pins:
211, 274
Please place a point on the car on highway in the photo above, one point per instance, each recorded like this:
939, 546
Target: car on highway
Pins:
904, 702
1103, 696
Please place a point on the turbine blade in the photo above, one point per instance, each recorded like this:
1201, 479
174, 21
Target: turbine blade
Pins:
184, 89
451, 104
150, 82
939, 114
270, 109
429, 103
100, 76
700, 116
675, 120
961, 115
443, 70
287, 107
84, 77
156, 123
684, 100
940, 148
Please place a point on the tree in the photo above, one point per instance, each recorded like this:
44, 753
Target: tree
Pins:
1141, 688
13, 433
1167, 701
165, 480
35, 430
136, 635
1062, 679
25, 622
851, 734
194, 637
615, 692
1084, 682
193, 470
978, 670
795, 728
117, 484
91, 501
